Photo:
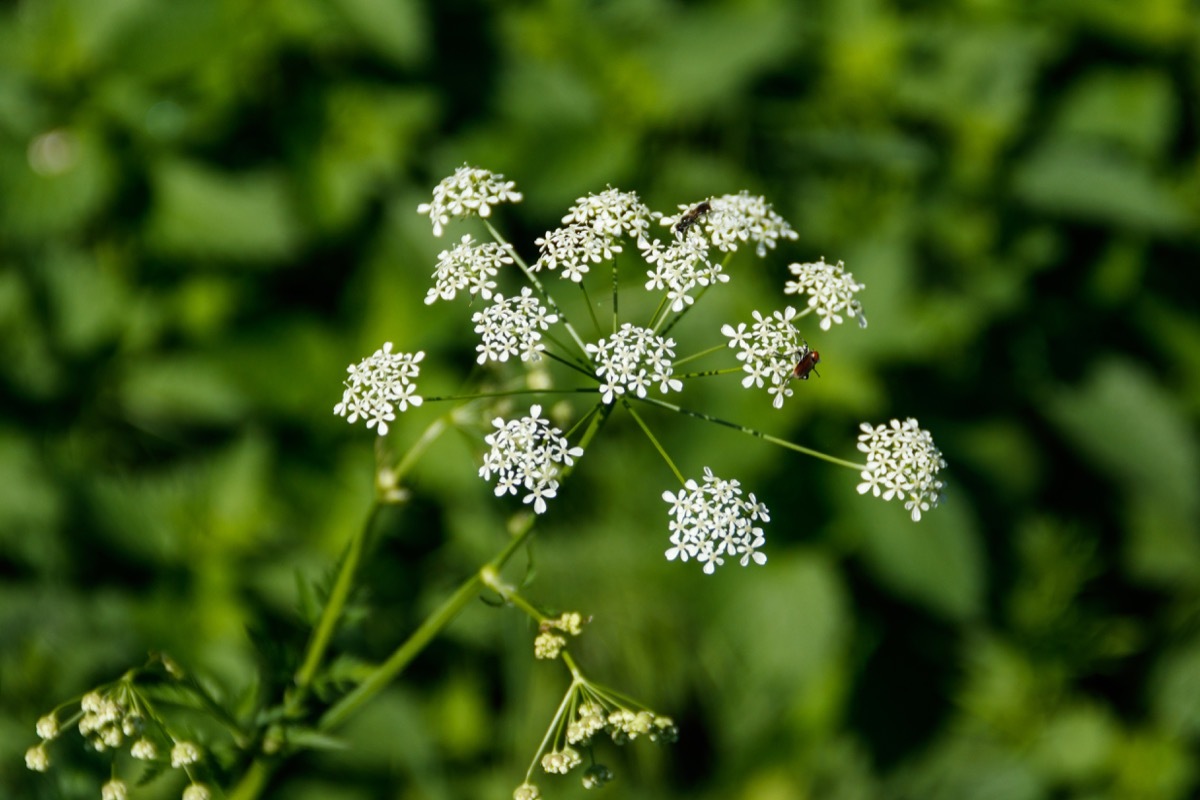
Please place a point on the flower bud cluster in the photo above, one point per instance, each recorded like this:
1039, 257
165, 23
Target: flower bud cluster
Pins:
549, 644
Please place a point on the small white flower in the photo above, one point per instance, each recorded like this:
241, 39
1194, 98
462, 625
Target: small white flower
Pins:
612, 213
114, 790
574, 248
529, 454
197, 791
769, 352
183, 754
37, 758
903, 462
735, 218
468, 191
467, 267
511, 327
379, 385
632, 360
712, 522
830, 291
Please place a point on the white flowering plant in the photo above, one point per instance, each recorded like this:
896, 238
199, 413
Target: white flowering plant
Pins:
639, 274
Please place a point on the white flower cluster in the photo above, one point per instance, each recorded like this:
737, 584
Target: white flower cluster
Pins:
467, 267
679, 268
378, 385
830, 291
902, 462
529, 454
769, 351
712, 521
574, 248
512, 327
735, 218
612, 213
561, 761
632, 360
468, 191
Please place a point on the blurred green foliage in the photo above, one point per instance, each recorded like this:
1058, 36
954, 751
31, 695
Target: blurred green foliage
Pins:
207, 209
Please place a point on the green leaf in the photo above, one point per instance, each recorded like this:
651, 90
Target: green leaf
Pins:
199, 212
937, 562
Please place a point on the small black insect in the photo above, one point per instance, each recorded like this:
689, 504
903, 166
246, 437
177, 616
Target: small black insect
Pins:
692, 217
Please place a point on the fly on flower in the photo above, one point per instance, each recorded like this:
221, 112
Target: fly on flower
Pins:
692, 217
806, 363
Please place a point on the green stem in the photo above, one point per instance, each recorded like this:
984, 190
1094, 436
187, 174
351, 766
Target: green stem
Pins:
757, 434
654, 441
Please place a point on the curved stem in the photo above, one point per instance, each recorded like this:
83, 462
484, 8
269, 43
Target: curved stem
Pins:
653, 440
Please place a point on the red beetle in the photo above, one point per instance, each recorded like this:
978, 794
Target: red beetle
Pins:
809, 359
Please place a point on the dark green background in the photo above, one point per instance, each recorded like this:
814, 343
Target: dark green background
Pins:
223, 217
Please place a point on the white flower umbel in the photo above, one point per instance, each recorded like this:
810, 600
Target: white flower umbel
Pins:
378, 386
467, 192
184, 754
632, 360
769, 351
830, 291
574, 248
467, 267
902, 462
735, 218
527, 454
512, 327
679, 268
612, 213
712, 522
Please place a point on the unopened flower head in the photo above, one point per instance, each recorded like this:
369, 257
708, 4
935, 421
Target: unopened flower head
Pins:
596, 776
379, 385
680, 267
712, 522
548, 645
612, 213
527, 454
633, 360
468, 267
37, 758
144, 750
735, 218
574, 248
114, 790
47, 727
768, 350
561, 761
830, 291
467, 192
512, 327
902, 462
183, 754
526, 791
197, 791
